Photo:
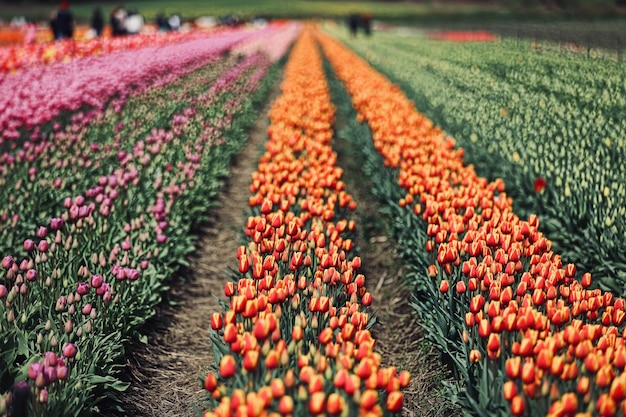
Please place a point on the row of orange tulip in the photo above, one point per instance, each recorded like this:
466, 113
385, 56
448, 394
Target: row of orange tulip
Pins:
558, 344
295, 338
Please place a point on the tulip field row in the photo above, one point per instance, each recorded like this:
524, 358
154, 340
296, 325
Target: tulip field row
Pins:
17, 57
550, 125
295, 338
523, 331
100, 188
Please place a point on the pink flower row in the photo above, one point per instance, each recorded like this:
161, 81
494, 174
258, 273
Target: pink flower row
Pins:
37, 95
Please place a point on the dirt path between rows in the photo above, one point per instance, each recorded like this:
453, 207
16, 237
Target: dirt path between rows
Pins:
164, 374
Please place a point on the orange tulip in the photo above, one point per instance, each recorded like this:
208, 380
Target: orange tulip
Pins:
317, 403
285, 405
518, 407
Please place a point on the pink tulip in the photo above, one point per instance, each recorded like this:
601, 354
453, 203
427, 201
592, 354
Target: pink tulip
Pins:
42, 246
34, 370
7, 262
96, 281
29, 245
86, 309
42, 232
69, 350
82, 288
31, 275
56, 223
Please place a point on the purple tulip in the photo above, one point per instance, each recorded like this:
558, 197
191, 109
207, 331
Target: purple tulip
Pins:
132, 274
84, 211
43, 396
62, 372
51, 373
50, 359
121, 274
74, 212
56, 223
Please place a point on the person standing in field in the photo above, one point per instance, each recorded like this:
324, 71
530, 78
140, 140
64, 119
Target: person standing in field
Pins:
97, 21
118, 21
353, 23
366, 22
62, 22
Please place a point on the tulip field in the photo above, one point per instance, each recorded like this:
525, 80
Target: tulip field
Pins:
498, 171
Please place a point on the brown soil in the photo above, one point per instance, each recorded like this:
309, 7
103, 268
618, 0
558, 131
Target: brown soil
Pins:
165, 374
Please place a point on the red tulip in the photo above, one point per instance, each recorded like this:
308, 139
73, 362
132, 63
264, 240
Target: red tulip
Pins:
227, 366
335, 403
250, 360
475, 356
216, 321
394, 401
210, 382
540, 184
369, 398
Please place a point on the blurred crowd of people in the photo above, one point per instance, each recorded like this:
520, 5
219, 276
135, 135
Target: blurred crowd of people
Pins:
121, 21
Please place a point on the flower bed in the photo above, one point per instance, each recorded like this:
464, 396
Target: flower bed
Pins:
523, 331
44, 52
294, 339
104, 236
38, 94
549, 125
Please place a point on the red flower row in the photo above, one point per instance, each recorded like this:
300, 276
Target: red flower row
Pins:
558, 342
294, 340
